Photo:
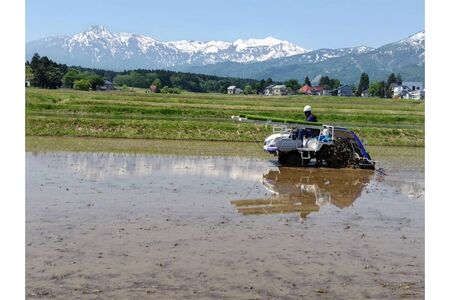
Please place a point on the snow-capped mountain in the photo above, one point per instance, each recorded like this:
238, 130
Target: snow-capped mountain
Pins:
97, 47
252, 58
406, 56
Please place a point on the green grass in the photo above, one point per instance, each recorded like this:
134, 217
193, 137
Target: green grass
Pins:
194, 116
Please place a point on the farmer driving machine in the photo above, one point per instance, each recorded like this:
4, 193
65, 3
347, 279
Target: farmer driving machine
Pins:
298, 143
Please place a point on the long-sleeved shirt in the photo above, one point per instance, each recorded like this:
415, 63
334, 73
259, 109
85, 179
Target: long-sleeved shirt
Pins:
311, 118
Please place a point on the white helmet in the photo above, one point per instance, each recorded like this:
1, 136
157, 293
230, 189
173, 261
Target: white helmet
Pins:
307, 108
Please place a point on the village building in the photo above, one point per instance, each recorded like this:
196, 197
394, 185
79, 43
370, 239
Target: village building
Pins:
413, 85
232, 89
107, 86
415, 95
153, 88
365, 94
268, 91
344, 90
311, 90
327, 92
279, 90
306, 90
409, 90
317, 90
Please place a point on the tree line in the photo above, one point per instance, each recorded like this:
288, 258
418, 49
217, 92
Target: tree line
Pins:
44, 73
381, 88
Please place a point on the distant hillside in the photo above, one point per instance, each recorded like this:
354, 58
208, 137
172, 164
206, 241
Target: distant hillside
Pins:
251, 58
97, 47
406, 57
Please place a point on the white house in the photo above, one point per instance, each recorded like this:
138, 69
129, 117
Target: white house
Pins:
416, 95
413, 85
232, 89
279, 90
268, 91
409, 90
399, 91
365, 94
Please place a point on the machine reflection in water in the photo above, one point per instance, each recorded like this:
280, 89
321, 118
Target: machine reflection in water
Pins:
305, 190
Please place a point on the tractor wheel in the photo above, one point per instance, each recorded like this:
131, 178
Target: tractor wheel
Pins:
294, 159
340, 154
282, 157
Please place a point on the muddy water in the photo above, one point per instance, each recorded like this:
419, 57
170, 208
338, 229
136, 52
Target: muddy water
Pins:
147, 226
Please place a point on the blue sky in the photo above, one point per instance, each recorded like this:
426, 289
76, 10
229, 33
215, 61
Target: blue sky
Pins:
310, 24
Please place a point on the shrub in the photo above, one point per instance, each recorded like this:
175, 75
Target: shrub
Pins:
82, 85
168, 90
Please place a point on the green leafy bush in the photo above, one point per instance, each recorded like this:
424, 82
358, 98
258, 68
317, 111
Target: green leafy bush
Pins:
82, 85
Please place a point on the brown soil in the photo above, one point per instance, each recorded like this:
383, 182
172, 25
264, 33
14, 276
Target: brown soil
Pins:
124, 226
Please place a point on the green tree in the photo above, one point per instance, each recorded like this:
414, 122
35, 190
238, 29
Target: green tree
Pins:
46, 73
149, 77
382, 89
363, 84
29, 76
82, 85
168, 90
38, 71
324, 81
138, 79
165, 90
293, 84
121, 79
377, 89
248, 89
399, 79
70, 77
334, 83
95, 81
307, 81
391, 79
157, 83
53, 77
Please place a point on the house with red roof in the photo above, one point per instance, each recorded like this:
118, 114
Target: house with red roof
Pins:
311, 90
306, 90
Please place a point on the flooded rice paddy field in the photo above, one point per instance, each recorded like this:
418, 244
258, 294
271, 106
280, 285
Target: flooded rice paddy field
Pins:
178, 225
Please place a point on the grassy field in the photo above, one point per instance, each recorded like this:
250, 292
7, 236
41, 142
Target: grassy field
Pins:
193, 116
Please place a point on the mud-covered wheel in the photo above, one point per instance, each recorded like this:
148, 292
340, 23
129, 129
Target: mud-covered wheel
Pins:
282, 157
293, 158
340, 154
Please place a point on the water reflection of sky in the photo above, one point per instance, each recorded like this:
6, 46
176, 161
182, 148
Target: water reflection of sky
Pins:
260, 186
102, 166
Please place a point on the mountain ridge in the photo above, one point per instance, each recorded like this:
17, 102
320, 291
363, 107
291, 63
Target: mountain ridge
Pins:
97, 47
406, 56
